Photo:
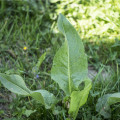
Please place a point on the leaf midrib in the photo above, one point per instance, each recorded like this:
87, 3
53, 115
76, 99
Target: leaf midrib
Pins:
16, 84
69, 72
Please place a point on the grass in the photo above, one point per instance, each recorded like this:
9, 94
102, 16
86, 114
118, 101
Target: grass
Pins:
22, 28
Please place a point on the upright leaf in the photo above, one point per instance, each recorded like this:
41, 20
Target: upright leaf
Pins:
37, 66
70, 62
79, 98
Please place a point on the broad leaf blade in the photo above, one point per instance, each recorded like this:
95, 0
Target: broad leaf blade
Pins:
114, 98
103, 107
60, 68
79, 98
70, 62
104, 102
14, 83
46, 98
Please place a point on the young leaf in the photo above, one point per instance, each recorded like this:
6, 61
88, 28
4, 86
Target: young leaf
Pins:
79, 98
37, 66
27, 113
16, 84
70, 62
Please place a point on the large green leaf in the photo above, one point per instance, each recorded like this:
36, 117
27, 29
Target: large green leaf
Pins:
79, 98
70, 62
16, 84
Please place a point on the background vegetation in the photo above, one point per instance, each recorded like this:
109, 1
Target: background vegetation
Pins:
28, 29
